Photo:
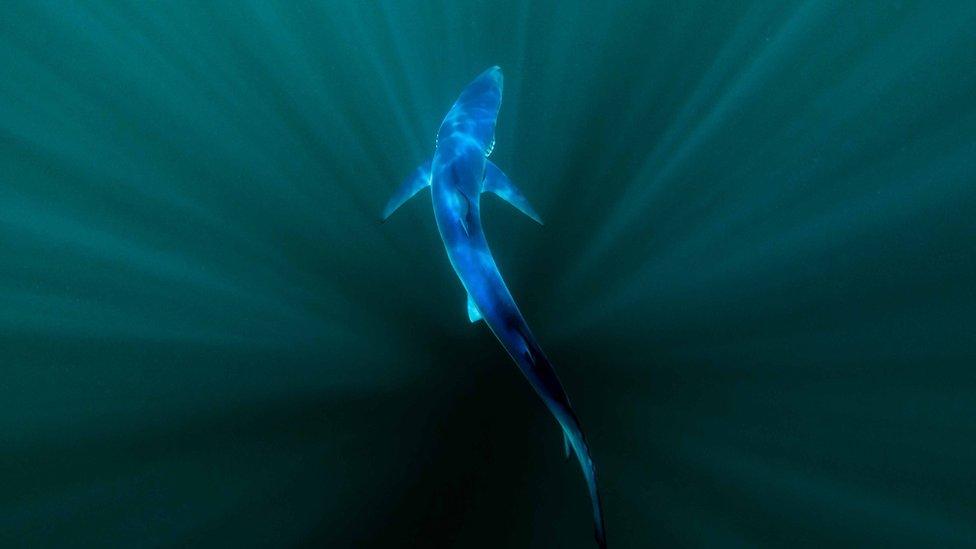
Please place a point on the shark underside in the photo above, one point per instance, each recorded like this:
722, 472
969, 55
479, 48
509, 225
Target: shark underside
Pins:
457, 174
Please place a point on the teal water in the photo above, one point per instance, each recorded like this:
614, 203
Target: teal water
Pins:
756, 277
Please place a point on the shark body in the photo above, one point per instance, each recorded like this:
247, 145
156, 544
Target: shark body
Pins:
457, 175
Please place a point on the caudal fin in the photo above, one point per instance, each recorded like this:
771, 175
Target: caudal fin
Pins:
582, 451
540, 373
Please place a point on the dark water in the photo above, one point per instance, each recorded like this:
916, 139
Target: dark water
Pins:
757, 276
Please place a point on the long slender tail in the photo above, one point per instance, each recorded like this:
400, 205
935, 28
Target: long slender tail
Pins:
536, 367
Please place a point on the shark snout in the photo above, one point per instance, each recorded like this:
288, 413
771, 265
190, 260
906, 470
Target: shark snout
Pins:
494, 73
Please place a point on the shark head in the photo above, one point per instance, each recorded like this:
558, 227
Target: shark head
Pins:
475, 111
494, 76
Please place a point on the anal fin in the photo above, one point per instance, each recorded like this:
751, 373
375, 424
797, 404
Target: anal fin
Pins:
474, 315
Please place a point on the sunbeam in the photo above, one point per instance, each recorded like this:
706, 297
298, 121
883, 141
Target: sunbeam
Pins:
755, 278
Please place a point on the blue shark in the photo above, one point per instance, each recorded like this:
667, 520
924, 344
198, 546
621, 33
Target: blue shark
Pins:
457, 174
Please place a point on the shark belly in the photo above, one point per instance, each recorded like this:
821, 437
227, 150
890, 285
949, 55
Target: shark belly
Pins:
458, 170
458, 219
467, 249
457, 175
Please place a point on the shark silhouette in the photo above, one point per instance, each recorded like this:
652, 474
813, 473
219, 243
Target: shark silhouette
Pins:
457, 175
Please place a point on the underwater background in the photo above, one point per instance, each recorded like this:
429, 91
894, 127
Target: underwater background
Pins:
757, 276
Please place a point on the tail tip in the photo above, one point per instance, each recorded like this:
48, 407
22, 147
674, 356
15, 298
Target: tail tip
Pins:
601, 538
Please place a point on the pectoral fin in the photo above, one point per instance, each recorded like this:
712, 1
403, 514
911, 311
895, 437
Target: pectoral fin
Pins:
474, 315
419, 179
497, 182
